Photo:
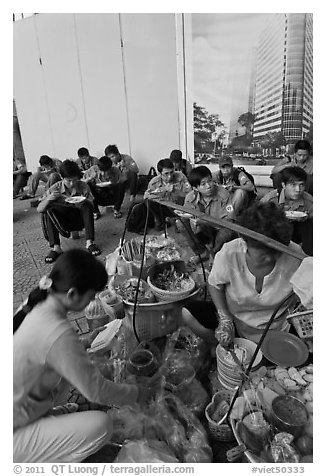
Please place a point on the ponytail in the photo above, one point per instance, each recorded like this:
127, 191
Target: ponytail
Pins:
74, 268
36, 296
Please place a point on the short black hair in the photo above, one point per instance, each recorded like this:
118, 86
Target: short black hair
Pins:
82, 152
69, 169
176, 155
45, 160
164, 164
111, 149
104, 163
302, 145
290, 174
197, 174
269, 220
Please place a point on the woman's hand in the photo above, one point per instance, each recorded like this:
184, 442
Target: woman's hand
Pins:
224, 333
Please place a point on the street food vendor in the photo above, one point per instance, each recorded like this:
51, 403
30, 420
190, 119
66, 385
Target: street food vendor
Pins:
247, 282
47, 354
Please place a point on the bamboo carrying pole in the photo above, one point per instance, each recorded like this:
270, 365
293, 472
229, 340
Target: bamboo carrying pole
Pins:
218, 222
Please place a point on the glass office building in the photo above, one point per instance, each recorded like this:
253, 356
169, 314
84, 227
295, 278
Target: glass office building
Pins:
284, 83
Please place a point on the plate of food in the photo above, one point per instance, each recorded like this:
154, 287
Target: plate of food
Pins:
155, 241
126, 288
168, 253
104, 184
295, 214
76, 199
182, 214
284, 349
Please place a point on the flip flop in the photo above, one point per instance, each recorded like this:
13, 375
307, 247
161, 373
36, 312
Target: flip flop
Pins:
94, 249
52, 256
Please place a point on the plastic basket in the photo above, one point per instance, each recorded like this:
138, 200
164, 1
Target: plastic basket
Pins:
165, 295
221, 432
303, 323
152, 321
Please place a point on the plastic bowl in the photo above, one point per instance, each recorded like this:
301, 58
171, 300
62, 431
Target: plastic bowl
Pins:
288, 414
164, 294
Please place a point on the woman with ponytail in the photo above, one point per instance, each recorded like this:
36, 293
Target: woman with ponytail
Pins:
47, 349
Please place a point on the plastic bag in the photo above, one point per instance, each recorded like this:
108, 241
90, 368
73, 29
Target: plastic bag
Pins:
128, 423
111, 262
144, 451
181, 430
196, 347
195, 397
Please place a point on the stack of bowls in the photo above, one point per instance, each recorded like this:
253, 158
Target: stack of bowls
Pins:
229, 374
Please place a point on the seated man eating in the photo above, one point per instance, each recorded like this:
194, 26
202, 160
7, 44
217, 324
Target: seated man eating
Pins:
58, 216
128, 168
48, 172
104, 181
169, 185
293, 198
213, 200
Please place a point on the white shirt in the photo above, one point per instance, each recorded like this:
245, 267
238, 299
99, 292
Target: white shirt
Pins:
252, 310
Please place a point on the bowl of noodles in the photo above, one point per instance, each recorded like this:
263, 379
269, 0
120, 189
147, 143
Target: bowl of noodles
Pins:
169, 281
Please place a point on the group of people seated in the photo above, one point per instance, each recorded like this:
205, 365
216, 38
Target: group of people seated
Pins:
247, 282
102, 181
223, 195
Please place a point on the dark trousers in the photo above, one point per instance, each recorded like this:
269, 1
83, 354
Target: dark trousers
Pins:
111, 195
159, 212
303, 234
131, 183
208, 235
61, 218
20, 180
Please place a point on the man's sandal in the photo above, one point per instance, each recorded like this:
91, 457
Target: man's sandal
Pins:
94, 249
52, 256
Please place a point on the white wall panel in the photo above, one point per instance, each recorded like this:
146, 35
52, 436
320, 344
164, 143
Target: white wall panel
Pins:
101, 68
149, 49
57, 40
29, 94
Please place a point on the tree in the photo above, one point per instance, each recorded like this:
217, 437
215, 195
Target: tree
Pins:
205, 126
247, 120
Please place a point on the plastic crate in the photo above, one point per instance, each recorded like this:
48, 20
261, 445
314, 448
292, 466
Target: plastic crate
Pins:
303, 323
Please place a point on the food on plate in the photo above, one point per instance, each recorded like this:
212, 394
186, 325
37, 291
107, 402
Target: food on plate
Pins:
76, 199
128, 288
172, 280
282, 449
170, 253
154, 241
295, 214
